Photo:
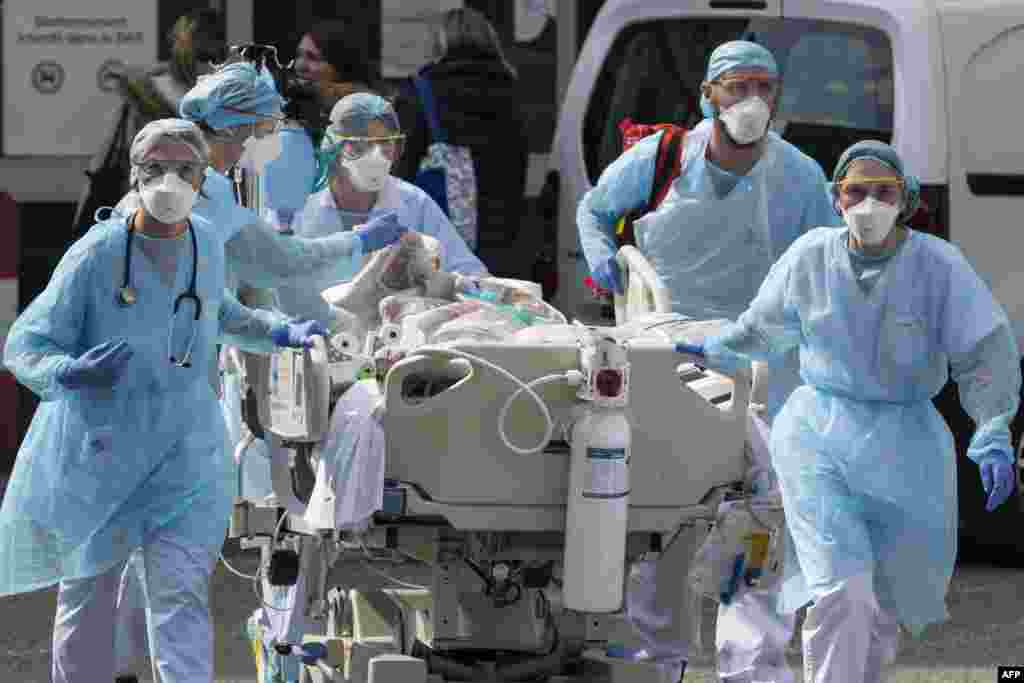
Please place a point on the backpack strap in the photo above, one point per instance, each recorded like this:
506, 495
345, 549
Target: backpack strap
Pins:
426, 95
668, 166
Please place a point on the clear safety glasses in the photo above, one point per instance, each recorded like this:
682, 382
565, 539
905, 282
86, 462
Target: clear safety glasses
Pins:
741, 88
189, 171
352, 148
888, 189
266, 125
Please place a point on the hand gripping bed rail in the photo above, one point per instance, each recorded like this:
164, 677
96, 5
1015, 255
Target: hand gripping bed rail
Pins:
645, 292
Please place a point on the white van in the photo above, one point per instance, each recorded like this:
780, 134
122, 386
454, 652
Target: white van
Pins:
939, 79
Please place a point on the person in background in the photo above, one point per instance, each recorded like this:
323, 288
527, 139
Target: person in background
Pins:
477, 97
198, 42
883, 316
331, 61
742, 197
126, 449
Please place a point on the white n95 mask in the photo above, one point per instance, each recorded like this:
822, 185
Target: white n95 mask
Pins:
369, 172
261, 151
169, 200
747, 120
871, 220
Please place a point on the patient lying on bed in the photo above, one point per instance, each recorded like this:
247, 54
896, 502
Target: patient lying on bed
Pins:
350, 462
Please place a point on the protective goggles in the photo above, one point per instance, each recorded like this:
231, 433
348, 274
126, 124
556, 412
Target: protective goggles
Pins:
888, 189
189, 171
264, 126
742, 87
352, 148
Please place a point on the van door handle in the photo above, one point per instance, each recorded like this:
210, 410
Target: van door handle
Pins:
576, 255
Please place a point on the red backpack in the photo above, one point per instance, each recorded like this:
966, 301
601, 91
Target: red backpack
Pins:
668, 167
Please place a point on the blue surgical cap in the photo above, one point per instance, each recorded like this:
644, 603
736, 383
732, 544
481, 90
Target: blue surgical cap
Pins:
353, 113
351, 116
236, 86
736, 54
167, 132
883, 153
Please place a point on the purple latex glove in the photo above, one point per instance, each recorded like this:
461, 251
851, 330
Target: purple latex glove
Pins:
100, 366
608, 276
997, 478
298, 334
380, 231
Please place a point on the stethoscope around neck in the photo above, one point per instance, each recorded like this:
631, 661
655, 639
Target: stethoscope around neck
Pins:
127, 296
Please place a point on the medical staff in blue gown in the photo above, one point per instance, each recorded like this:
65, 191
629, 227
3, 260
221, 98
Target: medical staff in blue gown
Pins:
356, 187
239, 111
288, 179
742, 197
882, 316
126, 449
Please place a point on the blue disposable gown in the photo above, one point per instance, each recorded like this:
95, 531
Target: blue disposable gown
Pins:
288, 180
711, 251
716, 234
416, 211
101, 469
866, 463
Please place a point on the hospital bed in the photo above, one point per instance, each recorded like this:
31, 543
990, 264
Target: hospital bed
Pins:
488, 521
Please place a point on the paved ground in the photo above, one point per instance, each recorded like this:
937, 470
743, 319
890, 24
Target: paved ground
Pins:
986, 629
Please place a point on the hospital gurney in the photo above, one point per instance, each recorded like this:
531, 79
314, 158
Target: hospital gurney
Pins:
490, 521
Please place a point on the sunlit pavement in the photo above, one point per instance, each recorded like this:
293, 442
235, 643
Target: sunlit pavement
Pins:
986, 629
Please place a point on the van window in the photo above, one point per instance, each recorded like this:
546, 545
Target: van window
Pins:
837, 88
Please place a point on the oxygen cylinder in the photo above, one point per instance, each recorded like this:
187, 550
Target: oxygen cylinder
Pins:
598, 511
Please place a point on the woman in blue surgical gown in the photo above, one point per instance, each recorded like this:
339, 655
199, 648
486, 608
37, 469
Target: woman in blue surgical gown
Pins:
126, 449
355, 186
882, 316
239, 111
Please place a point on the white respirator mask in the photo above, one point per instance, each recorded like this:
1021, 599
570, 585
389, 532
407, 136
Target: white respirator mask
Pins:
747, 121
369, 172
261, 151
871, 220
168, 200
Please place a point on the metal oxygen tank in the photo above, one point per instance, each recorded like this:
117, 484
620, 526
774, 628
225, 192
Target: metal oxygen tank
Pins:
598, 501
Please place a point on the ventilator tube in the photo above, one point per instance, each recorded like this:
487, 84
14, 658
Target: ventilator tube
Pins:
598, 511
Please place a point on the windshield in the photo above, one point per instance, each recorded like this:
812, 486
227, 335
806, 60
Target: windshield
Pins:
837, 82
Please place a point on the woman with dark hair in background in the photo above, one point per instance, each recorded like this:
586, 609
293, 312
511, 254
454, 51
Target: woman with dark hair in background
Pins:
476, 94
332, 60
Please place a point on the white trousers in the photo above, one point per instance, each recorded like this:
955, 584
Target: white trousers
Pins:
130, 642
847, 637
176, 589
751, 638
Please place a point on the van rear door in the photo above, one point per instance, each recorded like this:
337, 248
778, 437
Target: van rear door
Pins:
984, 50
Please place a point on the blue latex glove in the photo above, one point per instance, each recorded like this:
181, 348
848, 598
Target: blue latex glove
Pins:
608, 276
298, 334
692, 349
100, 366
997, 478
380, 232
